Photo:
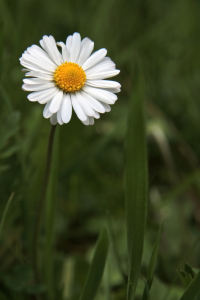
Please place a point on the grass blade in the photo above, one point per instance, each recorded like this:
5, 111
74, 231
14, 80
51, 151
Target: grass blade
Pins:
1, 43
5, 212
151, 267
193, 291
95, 273
136, 185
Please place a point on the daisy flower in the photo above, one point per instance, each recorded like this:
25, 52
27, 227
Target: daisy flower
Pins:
73, 78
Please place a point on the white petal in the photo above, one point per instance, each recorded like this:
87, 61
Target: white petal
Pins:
51, 48
46, 98
59, 118
39, 75
94, 58
66, 108
100, 94
103, 84
46, 113
107, 59
42, 44
107, 107
35, 81
75, 47
96, 115
56, 102
87, 122
61, 44
43, 96
32, 67
83, 42
78, 109
37, 87
68, 45
91, 120
36, 58
116, 90
65, 52
102, 75
41, 55
101, 67
31, 61
69, 42
95, 104
53, 119
87, 48
84, 104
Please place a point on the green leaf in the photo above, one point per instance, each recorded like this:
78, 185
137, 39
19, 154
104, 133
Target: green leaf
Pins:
154, 255
5, 212
184, 277
136, 185
193, 290
95, 273
1, 41
151, 267
187, 275
189, 270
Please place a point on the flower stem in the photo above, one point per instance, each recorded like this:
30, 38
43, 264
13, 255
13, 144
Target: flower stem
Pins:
41, 202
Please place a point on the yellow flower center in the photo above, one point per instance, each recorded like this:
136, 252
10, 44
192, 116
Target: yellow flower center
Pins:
69, 77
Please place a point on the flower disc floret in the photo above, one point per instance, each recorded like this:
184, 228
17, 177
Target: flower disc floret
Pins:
69, 77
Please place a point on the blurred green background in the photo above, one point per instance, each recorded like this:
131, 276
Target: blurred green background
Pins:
164, 36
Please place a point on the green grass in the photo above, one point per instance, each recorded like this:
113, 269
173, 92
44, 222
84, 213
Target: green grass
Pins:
89, 185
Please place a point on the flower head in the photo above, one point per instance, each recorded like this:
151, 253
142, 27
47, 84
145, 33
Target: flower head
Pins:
74, 78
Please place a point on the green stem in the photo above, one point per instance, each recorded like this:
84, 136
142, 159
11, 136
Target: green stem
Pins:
41, 202
49, 224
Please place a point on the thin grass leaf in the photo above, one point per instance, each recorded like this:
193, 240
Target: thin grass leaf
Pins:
5, 212
193, 290
154, 254
114, 248
95, 273
136, 185
189, 270
1, 42
151, 268
106, 282
185, 278
183, 258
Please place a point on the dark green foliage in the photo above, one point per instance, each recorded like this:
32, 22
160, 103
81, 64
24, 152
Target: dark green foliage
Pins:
136, 184
95, 272
193, 290
152, 265
186, 275
164, 37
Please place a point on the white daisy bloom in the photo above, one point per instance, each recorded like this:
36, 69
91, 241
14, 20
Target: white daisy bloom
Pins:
75, 78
